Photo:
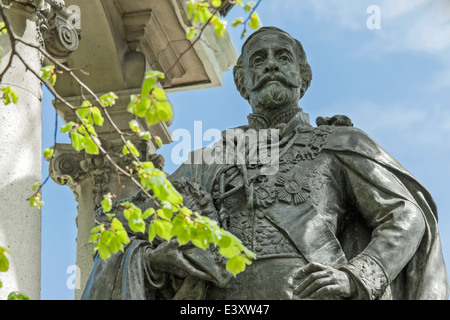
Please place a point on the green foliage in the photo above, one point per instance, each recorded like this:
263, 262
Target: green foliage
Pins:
35, 201
48, 153
83, 135
16, 295
9, 95
109, 240
108, 100
48, 74
4, 262
151, 104
107, 202
205, 12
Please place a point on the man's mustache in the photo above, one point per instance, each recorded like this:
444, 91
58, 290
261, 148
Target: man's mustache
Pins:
274, 77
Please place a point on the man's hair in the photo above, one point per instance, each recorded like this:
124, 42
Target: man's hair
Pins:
305, 69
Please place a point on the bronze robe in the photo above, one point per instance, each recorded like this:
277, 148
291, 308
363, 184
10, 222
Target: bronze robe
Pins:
338, 199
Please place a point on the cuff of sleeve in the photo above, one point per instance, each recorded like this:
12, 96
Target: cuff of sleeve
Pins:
368, 276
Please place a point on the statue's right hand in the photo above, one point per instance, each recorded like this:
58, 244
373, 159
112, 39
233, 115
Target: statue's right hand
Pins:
168, 258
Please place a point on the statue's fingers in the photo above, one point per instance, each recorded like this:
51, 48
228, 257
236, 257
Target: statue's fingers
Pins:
311, 283
326, 292
308, 269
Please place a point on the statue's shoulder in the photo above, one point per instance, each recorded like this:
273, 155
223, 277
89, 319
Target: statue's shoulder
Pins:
345, 137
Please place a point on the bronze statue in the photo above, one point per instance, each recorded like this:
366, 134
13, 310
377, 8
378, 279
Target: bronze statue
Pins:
339, 218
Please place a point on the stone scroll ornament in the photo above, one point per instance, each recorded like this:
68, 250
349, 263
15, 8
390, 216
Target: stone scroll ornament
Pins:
57, 23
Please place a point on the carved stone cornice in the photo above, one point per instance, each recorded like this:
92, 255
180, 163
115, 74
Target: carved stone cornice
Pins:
57, 24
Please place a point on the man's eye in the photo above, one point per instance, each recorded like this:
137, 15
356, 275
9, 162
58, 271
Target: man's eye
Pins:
285, 58
257, 61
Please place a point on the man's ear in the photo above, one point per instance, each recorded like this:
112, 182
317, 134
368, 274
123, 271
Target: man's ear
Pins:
244, 94
239, 76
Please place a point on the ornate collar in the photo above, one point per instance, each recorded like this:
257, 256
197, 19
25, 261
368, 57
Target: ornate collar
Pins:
257, 121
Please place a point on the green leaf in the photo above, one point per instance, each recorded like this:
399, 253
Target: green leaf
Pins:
151, 117
108, 100
146, 135
237, 264
249, 6
182, 233
148, 213
68, 127
225, 241
48, 154
254, 22
131, 147
115, 245
16, 295
35, 201
47, 72
163, 110
86, 104
237, 22
103, 251
167, 212
36, 186
84, 112
4, 262
90, 146
151, 232
151, 177
77, 141
97, 116
97, 228
158, 141
159, 94
148, 85
142, 107
155, 73
190, 32
123, 235
9, 95
107, 203
53, 79
106, 237
163, 228
216, 3
133, 215
134, 126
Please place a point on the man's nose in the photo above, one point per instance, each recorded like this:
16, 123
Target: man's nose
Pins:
272, 65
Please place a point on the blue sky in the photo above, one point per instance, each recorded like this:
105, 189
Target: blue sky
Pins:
393, 82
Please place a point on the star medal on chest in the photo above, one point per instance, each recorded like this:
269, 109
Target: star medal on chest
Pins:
292, 189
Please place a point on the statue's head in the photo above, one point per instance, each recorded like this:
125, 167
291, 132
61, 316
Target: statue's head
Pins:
272, 70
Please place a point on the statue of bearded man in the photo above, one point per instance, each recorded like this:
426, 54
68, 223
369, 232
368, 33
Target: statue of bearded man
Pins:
338, 218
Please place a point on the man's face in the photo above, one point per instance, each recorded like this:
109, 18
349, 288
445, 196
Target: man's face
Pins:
272, 71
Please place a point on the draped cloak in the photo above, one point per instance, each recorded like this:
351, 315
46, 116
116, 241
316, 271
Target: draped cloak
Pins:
128, 274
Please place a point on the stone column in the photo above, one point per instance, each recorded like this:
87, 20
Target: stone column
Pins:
20, 161
21, 146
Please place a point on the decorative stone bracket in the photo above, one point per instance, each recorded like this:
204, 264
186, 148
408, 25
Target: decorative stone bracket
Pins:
58, 24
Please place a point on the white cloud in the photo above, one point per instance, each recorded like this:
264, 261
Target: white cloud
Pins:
404, 125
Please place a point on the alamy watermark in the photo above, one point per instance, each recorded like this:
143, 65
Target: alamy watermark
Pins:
73, 280
254, 148
374, 20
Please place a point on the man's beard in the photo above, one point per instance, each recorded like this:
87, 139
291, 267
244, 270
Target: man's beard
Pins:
273, 96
